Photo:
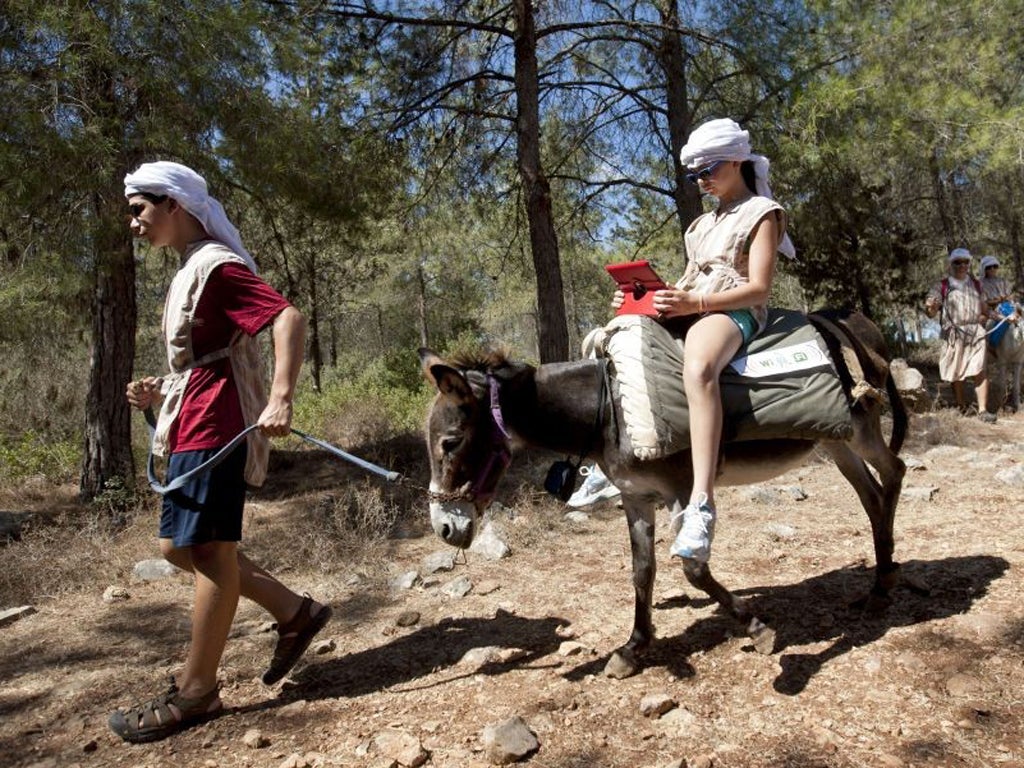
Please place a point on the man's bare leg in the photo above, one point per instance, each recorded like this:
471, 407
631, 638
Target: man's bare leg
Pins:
216, 571
255, 583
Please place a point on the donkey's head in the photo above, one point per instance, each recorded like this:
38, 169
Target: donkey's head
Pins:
468, 444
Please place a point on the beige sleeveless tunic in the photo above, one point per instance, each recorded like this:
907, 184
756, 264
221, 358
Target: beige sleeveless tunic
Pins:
718, 248
246, 366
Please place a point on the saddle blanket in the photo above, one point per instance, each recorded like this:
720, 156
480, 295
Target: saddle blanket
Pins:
783, 384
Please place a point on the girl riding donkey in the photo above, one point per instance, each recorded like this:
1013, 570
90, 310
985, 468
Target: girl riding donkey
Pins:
722, 295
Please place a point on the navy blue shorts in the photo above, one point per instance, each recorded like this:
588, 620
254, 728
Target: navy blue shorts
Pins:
208, 507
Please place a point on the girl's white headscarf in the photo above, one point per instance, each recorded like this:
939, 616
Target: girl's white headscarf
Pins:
189, 189
723, 139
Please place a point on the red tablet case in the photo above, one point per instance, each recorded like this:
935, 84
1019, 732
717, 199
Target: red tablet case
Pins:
638, 281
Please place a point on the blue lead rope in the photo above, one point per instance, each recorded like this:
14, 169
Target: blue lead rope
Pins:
224, 452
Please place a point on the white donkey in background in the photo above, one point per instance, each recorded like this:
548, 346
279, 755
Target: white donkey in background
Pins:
1006, 360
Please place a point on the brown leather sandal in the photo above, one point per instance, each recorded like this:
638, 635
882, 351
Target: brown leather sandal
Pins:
167, 714
294, 638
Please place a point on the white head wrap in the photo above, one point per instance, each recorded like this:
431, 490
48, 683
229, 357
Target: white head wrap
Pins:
988, 261
723, 139
189, 189
959, 253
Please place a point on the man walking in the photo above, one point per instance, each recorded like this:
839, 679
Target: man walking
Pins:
215, 306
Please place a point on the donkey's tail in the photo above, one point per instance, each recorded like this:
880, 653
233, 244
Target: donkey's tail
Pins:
900, 419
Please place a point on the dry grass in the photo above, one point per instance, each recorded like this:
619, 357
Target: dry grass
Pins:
73, 549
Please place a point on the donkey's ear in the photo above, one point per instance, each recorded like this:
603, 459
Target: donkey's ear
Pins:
449, 381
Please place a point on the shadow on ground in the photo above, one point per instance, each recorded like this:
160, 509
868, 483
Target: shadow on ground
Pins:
819, 610
410, 658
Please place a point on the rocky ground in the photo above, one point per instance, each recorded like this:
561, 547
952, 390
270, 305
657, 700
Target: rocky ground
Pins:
417, 668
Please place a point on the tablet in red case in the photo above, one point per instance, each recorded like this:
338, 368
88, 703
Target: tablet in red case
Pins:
638, 281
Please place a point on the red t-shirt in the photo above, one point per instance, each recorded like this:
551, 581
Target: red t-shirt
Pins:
233, 299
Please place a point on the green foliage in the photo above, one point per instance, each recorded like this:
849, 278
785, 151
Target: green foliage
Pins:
383, 399
31, 454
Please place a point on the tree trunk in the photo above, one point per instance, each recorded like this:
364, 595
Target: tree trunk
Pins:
552, 329
672, 60
316, 362
108, 447
421, 306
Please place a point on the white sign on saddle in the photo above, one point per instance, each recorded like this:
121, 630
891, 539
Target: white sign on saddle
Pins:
796, 357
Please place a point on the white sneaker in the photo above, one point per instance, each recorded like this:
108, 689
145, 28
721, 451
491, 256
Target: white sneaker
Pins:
596, 487
694, 538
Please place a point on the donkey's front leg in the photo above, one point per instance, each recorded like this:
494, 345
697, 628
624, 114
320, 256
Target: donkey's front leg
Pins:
640, 518
699, 575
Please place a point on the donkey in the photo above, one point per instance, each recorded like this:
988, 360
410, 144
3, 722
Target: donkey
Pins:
1007, 360
487, 405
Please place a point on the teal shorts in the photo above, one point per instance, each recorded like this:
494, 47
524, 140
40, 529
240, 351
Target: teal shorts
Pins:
745, 322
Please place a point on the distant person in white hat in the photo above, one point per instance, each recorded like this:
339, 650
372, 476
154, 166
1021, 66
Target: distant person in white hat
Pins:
959, 301
995, 287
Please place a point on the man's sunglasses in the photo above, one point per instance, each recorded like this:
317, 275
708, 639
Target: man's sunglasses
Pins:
704, 173
959, 263
136, 209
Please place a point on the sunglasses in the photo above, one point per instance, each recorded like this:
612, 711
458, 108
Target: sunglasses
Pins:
959, 263
136, 209
704, 173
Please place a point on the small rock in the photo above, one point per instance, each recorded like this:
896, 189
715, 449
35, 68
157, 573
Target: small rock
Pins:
702, 761
1013, 476
114, 594
487, 586
795, 492
254, 739
656, 704
679, 762
458, 587
407, 618
10, 525
294, 761
490, 543
565, 631
439, 561
154, 569
11, 615
761, 495
962, 684
401, 746
324, 646
295, 708
780, 531
407, 580
914, 463
570, 648
509, 741
919, 492
477, 657
576, 516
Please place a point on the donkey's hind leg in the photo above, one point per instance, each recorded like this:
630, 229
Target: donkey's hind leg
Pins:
640, 519
878, 497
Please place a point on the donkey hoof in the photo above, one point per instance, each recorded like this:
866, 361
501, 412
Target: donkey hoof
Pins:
622, 664
762, 636
873, 603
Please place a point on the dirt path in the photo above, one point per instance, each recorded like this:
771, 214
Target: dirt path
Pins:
936, 681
